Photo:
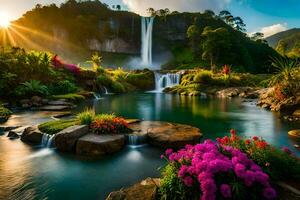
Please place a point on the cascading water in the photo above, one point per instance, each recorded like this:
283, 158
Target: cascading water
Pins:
146, 50
97, 96
106, 91
163, 81
136, 139
47, 140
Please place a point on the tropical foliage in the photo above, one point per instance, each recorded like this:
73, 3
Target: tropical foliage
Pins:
4, 113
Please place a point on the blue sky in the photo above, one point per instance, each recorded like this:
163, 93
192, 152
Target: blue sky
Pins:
269, 16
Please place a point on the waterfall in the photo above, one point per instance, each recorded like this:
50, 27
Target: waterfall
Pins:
47, 140
163, 81
106, 91
136, 139
146, 50
97, 96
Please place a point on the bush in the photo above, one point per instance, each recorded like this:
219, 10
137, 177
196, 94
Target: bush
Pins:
118, 87
4, 113
54, 127
70, 97
204, 76
32, 88
63, 87
105, 80
211, 171
270, 159
109, 124
143, 80
86, 117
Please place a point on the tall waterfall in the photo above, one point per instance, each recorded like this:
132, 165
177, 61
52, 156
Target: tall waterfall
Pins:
146, 50
163, 81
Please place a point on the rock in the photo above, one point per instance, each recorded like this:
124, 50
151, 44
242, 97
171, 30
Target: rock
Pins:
295, 133
132, 121
55, 108
233, 92
63, 114
8, 128
13, 135
164, 134
145, 190
32, 135
36, 101
99, 145
60, 102
66, 139
296, 113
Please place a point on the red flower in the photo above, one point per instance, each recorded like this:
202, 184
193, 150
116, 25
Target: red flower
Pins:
255, 138
247, 142
226, 70
261, 144
232, 132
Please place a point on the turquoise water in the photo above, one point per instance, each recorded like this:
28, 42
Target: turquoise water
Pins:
28, 172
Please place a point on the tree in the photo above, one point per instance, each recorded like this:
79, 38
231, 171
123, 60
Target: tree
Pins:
210, 13
257, 36
193, 35
215, 42
239, 24
118, 7
151, 11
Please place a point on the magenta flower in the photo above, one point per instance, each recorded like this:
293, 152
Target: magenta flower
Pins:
225, 191
169, 151
269, 193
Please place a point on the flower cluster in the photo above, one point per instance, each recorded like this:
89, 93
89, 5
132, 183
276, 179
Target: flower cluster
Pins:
57, 63
226, 70
202, 164
110, 125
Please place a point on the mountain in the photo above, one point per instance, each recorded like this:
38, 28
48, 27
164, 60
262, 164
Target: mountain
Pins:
274, 39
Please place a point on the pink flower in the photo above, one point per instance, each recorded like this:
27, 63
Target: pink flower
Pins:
225, 191
169, 151
269, 193
188, 181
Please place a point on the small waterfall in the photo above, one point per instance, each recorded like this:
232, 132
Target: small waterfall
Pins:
97, 96
136, 139
47, 140
106, 91
146, 50
163, 81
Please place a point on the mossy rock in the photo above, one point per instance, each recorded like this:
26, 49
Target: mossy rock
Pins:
295, 133
70, 97
54, 127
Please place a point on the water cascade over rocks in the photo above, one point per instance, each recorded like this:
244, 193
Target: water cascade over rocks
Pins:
163, 81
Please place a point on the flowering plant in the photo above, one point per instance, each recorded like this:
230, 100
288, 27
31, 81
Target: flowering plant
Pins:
57, 63
213, 171
226, 70
269, 158
109, 124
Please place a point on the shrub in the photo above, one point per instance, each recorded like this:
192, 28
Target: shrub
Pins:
31, 88
118, 87
86, 117
4, 113
63, 87
70, 97
119, 74
105, 80
54, 127
269, 158
109, 124
210, 171
204, 76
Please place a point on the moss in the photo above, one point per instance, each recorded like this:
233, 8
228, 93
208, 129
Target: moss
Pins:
54, 127
70, 97
141, 80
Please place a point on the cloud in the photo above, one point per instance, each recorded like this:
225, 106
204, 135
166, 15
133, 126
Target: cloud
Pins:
273, 29
141, 6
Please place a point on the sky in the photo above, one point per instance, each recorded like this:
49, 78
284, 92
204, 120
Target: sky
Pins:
267, 16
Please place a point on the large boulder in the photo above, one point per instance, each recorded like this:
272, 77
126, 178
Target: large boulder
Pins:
165, 134
65, 140
32, 135
99, 145
145, 190
234, 92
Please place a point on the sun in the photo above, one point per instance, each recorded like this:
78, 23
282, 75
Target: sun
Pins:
4, 20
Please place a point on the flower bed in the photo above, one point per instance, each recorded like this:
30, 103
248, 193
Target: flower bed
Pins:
109, 124
231, 168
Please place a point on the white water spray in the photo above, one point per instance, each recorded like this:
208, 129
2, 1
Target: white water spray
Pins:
146, 50
47, 140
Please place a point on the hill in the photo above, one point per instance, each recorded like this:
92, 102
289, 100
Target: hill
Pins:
76, 28
274, 39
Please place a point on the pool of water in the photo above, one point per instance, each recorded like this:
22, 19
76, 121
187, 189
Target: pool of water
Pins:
28, 172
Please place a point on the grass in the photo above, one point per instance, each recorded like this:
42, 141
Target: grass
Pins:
86, 117
54, 127
70, 97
